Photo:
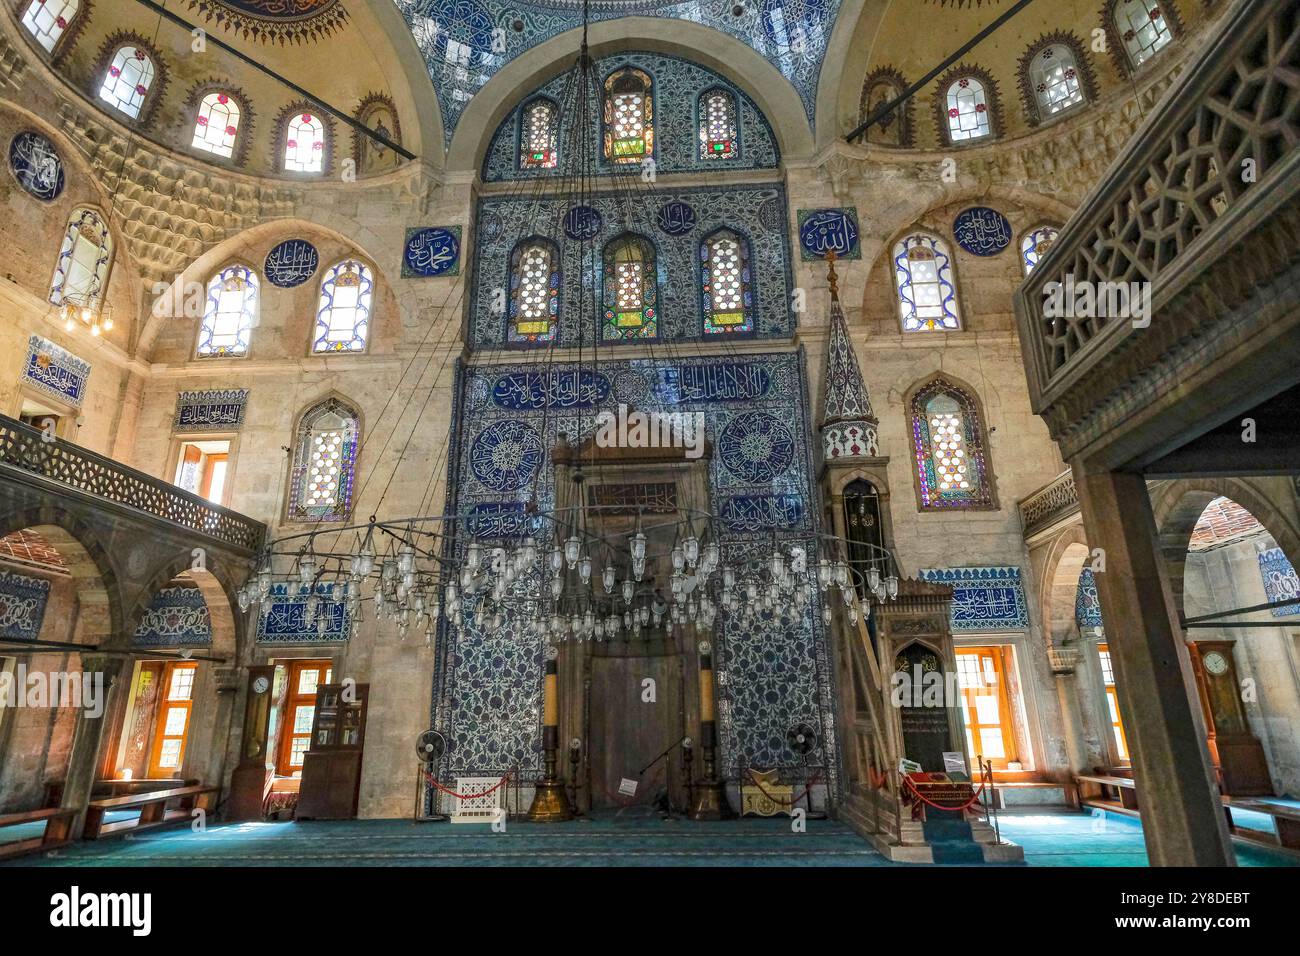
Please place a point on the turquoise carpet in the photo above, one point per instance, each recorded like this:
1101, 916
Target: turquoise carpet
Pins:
1103, 839
1049, 839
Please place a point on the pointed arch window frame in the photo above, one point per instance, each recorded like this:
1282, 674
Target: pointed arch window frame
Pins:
248, 314
746, 323
648, 112
527, 158
136, 105
946, 279
612, 328
348, 447
1119, 41
323, 325
233, 106
704, 135
1031, 250
1048, 107
975, 448
515, 337
81, 219
38, 20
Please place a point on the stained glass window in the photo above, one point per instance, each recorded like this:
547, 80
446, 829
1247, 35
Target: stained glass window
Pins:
631, 289
1035, 245
343, 316
1141, 25
534, 292
539, 135
325, 454
229, 314
927, 294
1055, 78
81, 272
47, 19
304, 145
949, 447
725, 283
968, 110
718, 125
629, 117
217, 124
126, 84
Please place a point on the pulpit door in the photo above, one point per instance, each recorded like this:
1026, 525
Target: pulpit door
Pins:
632, 722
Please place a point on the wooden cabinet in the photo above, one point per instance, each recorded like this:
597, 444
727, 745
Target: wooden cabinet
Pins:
331, 768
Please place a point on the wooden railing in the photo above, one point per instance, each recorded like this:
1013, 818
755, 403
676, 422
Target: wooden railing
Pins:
1049, 504
25, 449
1218, 156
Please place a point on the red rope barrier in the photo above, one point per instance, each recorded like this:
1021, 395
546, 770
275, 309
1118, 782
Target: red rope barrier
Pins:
930, 803
467, 796
812, 782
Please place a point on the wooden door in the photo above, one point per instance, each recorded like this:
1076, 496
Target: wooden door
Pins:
628, 730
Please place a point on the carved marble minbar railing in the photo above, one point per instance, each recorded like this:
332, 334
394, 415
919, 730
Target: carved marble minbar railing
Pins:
1203, 204
62, 468
1050, 504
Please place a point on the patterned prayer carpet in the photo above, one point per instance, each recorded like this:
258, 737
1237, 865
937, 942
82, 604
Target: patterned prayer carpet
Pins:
1049, 839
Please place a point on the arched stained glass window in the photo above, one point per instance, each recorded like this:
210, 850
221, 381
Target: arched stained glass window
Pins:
629, 116
1142, 27
534, 292
968, 110
47, 19
217, 124
81, 273
324, 463
539, 135
717, 109
127, 82
631, 290
725, 284
229, 314
1035, 245
949, 443
1055, 79
343, 315
304, 144
927, 293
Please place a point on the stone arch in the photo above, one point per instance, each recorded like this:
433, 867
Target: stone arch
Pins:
216, 583
915, 210
363, 240
727, 56
101, 618
1178, 505
1065, 563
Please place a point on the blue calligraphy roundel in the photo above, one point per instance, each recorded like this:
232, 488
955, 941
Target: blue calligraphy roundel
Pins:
506, 455
582, 223
829, 230
36, 165
430, 252
982, 231
756, 447
291, 263
675, 218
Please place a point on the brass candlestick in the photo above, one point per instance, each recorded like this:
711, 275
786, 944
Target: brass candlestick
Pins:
550, 801
710, 802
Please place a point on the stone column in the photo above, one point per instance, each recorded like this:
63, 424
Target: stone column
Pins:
83, 761
1067, 695
1182, 816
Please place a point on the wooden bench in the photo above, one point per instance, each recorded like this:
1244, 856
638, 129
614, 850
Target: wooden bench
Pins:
1112, 793
1285, 819
57, 832
154, 811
